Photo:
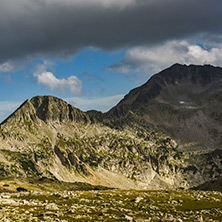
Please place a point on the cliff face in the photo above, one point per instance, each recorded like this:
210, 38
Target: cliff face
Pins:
131, 146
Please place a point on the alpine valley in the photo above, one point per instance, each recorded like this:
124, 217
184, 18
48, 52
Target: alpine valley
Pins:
165, 134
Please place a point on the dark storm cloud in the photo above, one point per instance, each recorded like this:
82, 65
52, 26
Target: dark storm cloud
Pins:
32, 27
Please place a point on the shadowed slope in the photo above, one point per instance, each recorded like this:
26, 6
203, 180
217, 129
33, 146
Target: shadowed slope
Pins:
184, 101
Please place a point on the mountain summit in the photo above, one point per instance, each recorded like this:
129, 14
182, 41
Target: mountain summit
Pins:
140, 143
48, 109
183, 101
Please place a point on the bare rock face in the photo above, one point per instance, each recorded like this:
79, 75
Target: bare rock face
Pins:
164, 134
49, 108
183, 101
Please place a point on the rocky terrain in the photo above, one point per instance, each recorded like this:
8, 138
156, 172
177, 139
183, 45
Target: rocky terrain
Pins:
46, 137
162, 135
115, 205
145, 160
183, 101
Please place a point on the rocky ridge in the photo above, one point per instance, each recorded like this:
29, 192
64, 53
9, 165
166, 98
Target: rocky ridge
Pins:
73, 148
185, 102
128, 147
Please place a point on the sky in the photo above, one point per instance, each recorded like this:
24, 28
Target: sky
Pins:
93, 52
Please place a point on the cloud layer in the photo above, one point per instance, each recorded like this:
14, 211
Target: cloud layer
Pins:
30, 27
6, 67
152, 59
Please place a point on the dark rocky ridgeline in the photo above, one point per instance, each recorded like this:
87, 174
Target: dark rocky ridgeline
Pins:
183, 101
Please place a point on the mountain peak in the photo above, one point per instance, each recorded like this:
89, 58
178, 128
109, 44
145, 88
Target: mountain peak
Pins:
179, 65
50, 108
202, 74
197, 76
24, 111
182, 100
47, 109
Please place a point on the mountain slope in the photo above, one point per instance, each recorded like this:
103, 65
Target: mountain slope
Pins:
215, 185
46, 137
132, 145
183, 101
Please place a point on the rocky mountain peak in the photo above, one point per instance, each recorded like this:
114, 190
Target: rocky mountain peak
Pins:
50, 108
202, 74
184, 101
24, 112
47, 109
186, 79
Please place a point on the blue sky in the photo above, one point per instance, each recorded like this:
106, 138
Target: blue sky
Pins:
93, 52
98, 85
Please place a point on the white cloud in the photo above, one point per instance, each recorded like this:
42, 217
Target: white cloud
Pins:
153, 59
102, 104
73, 83
6, 67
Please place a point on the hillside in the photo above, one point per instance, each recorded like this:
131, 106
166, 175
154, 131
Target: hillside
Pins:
138, 144
183, 101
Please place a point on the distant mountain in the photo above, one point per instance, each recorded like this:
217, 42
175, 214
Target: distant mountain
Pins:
183, 101
131, 146
213, 185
